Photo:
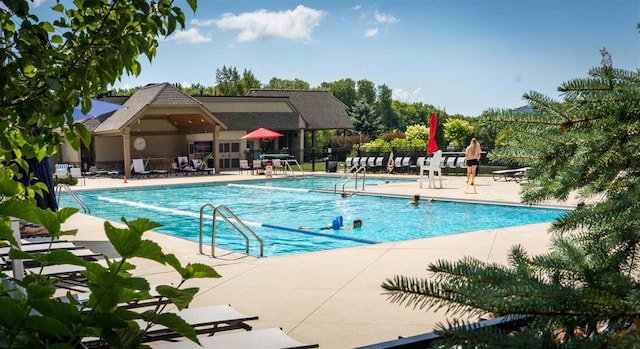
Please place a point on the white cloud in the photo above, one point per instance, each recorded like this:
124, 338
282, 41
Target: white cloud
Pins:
370, 32
384, 18
36, 3
357, 7
203, 22
294, 24
185, 84
405, 96
191, 36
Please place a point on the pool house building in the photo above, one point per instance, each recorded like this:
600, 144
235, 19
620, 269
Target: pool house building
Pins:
159, 122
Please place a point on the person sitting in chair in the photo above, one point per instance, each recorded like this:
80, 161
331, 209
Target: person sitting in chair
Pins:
185, 166
31, 229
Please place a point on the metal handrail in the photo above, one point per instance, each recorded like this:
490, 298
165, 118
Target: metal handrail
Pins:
73, 195
288, 165
215, 214
353, 172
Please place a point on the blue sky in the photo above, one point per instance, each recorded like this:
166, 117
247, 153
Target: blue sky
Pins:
462, 55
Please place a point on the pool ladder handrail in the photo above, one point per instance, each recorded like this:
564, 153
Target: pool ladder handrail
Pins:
353, 172
287, 167
217, 212
73, 196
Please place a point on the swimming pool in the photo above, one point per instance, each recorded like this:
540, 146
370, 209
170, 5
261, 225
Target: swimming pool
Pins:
276, 209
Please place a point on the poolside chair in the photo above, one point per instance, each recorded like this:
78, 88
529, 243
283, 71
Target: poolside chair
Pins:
138, 169
397, 163
379, 165
450, 164
364, 161
257, 166
461, 163
277, 164
516, 174
268, 338
348, 163
244, 166
406, 162
206, 319
355, 162
183, 167
419, 162
76, 172
201, 167
62, 170
434, 168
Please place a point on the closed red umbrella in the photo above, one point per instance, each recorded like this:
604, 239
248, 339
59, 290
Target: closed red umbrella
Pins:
262, 133
433, 124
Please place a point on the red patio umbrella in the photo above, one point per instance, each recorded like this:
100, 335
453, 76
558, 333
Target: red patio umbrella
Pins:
262, 133
433, 145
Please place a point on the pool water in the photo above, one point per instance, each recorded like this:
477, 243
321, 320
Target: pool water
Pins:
275, 209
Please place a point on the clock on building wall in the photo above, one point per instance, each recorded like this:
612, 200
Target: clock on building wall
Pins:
139, 143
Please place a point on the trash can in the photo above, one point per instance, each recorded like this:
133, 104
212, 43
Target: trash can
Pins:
331, 166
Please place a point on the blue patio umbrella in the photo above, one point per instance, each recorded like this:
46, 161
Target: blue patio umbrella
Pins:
97, 108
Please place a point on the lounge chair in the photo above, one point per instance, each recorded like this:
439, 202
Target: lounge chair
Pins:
76, 172
461, 163
434, 168
348, 162
201, 167
516, 174
450, 164
62, 170
268, 338
183, 167
257, 166
244, 166
277, 164
208, 319
419, 163
379, 166
138, 169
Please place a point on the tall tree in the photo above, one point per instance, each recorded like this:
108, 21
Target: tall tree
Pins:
366, 91
228, 81
365, 119
47, 69
249, 81
284, 84
584, 292
344, 90
384, 109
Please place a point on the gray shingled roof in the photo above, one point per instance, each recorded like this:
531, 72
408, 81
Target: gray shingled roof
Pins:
160, 94
320, 109
255, 120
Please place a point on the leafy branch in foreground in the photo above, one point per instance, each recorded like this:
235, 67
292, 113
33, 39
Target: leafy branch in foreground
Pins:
584, 292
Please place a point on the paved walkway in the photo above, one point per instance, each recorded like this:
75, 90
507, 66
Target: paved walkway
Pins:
332, 298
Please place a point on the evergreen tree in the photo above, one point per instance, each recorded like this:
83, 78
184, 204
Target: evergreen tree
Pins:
389, 118
365, 119
584, 292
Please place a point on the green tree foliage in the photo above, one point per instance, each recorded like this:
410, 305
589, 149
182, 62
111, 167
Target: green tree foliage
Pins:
344, 90
366, 91
582, 293
47, 69
365, 119
415, 132
229, 82
458, 131
384, 109
197, 89
412, 113
284, 84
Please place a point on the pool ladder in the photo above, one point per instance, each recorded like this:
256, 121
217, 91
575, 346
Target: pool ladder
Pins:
233, 221
287, 167
76, 198
349, 176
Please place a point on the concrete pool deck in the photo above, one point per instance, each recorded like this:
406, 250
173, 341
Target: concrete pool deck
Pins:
332, 298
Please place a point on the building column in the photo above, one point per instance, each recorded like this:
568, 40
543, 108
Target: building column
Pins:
216, 148
300, 155
126, 145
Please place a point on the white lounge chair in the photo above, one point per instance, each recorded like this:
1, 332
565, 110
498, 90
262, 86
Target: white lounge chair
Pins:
516, 174
138, 169
268, 338
183, 167
348, 163
76, 172
244, 166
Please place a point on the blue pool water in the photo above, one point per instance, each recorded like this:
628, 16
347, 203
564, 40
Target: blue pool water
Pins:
285, 205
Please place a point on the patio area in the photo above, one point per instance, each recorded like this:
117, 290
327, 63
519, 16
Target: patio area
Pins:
334, 297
